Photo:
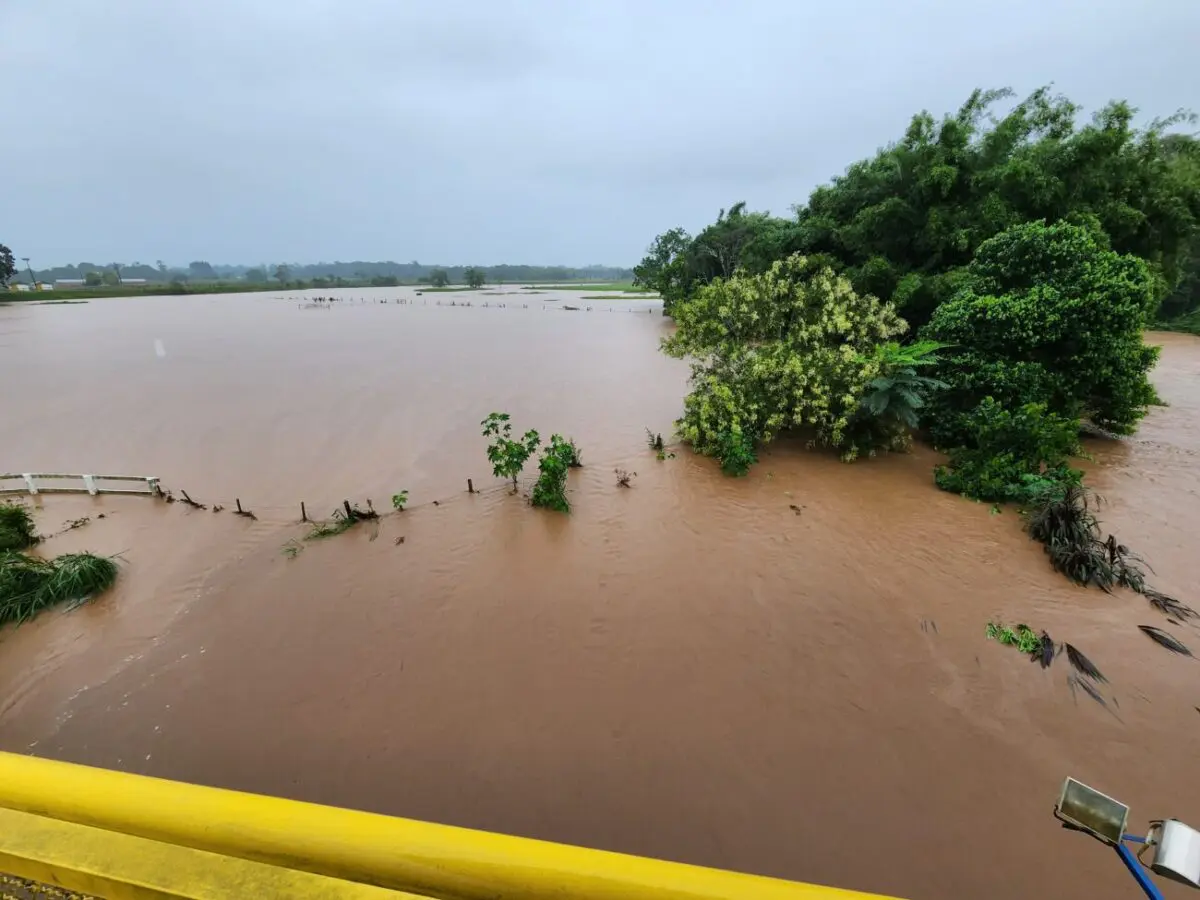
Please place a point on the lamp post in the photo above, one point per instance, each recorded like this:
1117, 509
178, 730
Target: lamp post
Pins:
32, 280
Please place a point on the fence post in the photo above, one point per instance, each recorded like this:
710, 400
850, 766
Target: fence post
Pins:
470, 486
303, 512
239, 504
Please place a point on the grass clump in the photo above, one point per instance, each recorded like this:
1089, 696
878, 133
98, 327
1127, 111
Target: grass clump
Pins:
29, 584
16, 527
399, 500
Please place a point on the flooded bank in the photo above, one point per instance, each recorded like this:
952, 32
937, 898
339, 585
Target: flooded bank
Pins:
690, 669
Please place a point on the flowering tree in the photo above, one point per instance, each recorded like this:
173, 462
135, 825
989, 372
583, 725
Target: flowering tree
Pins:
794, 347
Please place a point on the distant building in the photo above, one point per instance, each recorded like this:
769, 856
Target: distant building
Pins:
67, 283
134, 281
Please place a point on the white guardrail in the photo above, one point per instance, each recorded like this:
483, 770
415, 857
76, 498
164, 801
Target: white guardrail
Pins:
36, 483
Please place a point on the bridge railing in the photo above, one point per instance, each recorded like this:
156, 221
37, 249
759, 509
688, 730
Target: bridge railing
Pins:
55, 483
117, 836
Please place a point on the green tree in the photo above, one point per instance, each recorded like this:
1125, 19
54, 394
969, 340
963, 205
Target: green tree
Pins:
8, 266
93, 279
439, 278
508, 456
202, 271
903, 224
794, 347
109, 278
1047, 314
474, 276
256, 276
283, 273
550, 489
665, 268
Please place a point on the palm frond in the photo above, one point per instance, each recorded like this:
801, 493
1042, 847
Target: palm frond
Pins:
1082, 664
1163, 639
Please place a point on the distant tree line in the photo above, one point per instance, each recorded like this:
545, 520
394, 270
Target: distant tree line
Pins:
323, 274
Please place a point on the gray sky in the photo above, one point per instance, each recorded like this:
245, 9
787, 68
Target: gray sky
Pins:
487, 131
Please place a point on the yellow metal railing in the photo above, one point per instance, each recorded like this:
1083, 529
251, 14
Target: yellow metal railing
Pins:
122, 836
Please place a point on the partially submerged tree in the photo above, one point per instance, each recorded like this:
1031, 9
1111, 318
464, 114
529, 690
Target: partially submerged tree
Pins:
508, 456
439, 278
1047, 314
794, 347
474, 276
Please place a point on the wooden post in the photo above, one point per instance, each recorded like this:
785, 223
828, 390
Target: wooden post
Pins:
346, 504
470, 486
239, 503
303, 512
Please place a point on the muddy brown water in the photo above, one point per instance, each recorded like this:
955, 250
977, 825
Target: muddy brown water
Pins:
686, 669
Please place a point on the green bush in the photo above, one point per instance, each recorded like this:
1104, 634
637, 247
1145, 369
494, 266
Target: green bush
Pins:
794, 347
1047, 315
550, 489
16, 527
1013, 454
891, 406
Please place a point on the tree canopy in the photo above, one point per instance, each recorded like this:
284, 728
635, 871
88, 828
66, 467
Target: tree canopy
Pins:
904, 223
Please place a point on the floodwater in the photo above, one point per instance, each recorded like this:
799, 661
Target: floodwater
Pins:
690, 668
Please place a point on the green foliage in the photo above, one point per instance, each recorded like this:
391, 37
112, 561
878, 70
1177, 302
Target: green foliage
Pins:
1022, 637
398, 500
29, 585
1013, 454
508, 456
474, 276
16, 527
1063, 519
93, 279
283, 273
890, 407
1046, 314
794, 347
256, 276
439, 278
8, 266
654, 441
735, 452
550, 489
902, 224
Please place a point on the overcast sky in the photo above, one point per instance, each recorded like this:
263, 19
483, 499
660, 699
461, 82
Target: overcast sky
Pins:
488, 131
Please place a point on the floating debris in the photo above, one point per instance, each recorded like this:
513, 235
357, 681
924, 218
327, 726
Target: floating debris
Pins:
1169, 606
1163, 639
1082, 664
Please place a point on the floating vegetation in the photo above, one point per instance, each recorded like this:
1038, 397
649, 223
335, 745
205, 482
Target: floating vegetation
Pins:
1083, 665
29, 585
654, 441
1163, 639
1169, 606
292, 548
398, 501
16, 527
624, 479
1022, 637
1074, 681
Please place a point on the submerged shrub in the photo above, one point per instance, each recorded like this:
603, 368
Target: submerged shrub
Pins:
16, 527
1063, 518
550, 489
1013, 455
29, 585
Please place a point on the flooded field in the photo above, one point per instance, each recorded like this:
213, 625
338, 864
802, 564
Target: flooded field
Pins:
691, 669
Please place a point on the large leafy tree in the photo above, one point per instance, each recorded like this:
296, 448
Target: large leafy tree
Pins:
793, 347
1047, 314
